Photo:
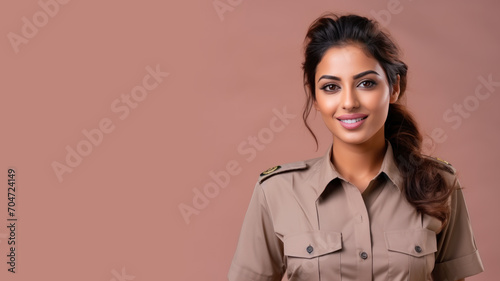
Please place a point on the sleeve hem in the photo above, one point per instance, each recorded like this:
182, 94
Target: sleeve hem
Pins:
458, 268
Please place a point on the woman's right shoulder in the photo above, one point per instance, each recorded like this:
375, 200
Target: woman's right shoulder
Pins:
288, 170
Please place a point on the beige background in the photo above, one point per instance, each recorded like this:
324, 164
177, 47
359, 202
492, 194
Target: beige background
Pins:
116, 215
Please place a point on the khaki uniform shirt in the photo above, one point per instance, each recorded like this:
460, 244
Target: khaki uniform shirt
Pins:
307, 221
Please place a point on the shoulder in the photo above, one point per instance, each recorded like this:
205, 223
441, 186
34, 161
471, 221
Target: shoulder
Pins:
443, 164
447, 171
288, 169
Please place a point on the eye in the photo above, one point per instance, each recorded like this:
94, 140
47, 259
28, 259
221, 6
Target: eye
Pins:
329, 87
368, 84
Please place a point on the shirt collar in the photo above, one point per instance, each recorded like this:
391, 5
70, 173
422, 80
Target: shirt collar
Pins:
327, 171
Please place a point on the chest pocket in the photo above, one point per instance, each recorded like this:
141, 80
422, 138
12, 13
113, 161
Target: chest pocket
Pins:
306, 252
411, 254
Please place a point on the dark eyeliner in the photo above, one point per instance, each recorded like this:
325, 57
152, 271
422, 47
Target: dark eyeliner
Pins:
325, 86
373, 83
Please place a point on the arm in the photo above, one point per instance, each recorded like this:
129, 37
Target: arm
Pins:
259, 254
457, 255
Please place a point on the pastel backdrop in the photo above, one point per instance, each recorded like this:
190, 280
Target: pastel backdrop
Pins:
137, 129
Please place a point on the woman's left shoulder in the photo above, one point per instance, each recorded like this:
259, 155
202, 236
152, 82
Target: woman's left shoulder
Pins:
444, 165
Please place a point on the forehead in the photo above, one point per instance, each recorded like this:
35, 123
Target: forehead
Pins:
346, 61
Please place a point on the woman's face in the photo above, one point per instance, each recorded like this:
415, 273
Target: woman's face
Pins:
353, 95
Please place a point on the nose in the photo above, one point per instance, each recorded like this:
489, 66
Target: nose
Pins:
349, 99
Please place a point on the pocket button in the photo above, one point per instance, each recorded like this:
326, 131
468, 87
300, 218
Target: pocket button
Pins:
418, 249
309, 249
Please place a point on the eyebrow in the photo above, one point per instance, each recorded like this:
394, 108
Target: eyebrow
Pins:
359, 75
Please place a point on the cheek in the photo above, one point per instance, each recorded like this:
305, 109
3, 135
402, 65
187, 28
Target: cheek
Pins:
327, 104
379, 102
379, 109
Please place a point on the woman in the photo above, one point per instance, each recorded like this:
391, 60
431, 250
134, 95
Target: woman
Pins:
373, 207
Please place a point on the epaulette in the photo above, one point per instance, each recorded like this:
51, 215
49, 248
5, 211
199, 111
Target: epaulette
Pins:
447, 164
282, 169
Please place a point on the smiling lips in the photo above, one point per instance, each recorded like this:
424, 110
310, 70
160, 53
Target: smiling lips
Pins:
352, 121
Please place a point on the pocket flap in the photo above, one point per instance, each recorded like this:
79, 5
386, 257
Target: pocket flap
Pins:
418, 242
312, 244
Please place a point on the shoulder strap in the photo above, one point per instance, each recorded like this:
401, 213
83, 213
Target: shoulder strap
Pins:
281, 169
446, 164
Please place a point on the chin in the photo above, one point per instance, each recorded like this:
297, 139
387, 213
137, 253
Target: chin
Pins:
352, 140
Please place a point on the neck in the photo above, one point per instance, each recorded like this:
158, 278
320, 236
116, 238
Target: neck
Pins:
359, 161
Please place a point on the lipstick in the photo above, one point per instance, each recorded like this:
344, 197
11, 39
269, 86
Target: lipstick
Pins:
352, 121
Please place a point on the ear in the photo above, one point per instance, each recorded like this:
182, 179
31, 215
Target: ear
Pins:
395, 91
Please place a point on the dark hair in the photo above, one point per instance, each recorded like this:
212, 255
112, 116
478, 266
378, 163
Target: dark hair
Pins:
424, 187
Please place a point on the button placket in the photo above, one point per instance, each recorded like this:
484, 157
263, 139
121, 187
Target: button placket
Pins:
362, 231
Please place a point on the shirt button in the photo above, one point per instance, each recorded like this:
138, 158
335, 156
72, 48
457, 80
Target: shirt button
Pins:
363, 255
309, 249
418, 249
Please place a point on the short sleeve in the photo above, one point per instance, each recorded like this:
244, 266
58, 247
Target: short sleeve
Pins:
457, 256
259, 253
